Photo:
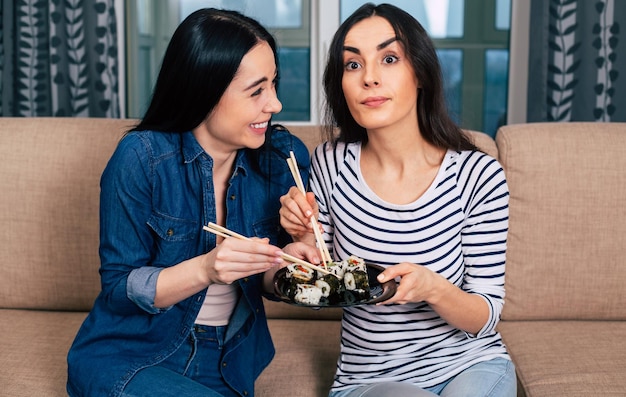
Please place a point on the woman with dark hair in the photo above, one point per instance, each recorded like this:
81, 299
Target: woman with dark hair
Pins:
402, 186
180, 312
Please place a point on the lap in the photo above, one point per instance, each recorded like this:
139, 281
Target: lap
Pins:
163, 382
493, 378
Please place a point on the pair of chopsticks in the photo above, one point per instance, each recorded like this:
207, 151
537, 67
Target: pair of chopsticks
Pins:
321, 244
224, 232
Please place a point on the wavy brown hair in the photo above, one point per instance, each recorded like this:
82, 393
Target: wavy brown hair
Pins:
436, 125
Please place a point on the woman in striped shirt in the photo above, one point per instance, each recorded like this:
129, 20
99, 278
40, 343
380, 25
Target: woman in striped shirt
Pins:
402, 186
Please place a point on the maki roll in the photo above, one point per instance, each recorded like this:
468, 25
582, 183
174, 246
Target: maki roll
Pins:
296, 275
308, 294
354, 263
348, 282
336, 268
301, 273
357, 283
330, 287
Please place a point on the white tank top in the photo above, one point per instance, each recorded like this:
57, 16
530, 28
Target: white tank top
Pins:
218, 305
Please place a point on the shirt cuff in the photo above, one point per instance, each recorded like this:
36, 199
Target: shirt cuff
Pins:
141, 288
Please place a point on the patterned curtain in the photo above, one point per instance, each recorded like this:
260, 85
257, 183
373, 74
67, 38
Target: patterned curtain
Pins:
575, 73
58, 58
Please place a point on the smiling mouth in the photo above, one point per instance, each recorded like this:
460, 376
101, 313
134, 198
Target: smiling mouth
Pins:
260, 125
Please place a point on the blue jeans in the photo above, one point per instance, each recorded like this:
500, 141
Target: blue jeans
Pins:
494, 378
193, 370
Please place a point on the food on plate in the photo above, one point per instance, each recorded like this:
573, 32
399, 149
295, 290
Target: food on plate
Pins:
348, 282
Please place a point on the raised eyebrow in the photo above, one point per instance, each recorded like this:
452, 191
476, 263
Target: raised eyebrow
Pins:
386, 43
379, 47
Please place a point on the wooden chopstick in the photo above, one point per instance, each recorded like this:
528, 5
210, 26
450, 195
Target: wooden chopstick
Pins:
321, 244
224, 232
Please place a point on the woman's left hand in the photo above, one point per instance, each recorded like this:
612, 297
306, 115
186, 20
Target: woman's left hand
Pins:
460, 309
300, 250
417, 283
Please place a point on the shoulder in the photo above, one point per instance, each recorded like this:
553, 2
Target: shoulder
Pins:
283, 140
144, 149
480, 175
334, 153
471, 162
150, 142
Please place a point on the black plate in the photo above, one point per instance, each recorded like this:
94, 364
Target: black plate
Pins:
378, 292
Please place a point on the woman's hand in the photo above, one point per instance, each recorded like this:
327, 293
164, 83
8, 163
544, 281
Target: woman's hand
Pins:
234, 259
231, 260
417, 283
301, 251
296, 212
463, 310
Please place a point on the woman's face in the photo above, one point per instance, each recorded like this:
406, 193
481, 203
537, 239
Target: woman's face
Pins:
241, 117
378, 81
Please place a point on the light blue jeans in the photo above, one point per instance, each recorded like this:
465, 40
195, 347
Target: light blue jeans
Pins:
192, 371
494, 378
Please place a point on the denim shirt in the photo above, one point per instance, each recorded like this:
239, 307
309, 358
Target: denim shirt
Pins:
156, 195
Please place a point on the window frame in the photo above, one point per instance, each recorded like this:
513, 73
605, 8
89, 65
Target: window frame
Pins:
480, 34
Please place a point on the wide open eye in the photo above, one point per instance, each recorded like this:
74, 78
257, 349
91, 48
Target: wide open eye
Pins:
388, 59
352, 65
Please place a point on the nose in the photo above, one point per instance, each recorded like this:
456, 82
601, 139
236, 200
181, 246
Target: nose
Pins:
371, 77
273, 105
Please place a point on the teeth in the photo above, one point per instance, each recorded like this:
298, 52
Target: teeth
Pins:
259, 125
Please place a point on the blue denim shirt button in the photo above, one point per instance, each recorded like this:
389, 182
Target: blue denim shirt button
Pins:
245, 279
232, 196
224, 364
170, 232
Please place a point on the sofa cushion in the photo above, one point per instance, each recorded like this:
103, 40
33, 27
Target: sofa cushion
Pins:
49, 234
305, 361
484, 142
568, 358
565, 254
33, 346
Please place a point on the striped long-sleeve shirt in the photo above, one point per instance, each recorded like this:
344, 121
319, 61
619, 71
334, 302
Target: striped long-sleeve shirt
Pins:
457, 228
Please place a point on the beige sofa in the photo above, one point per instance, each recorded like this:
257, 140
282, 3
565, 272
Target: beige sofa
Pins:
563, 320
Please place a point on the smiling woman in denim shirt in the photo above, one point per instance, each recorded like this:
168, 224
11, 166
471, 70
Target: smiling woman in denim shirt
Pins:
180, 312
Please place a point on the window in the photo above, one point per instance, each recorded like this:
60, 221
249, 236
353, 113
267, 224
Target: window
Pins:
471, 37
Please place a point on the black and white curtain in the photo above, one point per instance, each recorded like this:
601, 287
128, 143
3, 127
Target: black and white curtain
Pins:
577, 60
58, 58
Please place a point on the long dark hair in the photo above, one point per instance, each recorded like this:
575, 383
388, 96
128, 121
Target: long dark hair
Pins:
200, 62
435, 124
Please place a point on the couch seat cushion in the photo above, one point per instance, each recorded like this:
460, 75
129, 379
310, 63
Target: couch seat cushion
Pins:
568, 358
305, 361
34, 346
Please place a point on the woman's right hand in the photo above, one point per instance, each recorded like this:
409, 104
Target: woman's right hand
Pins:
231, 260
234, 259
295, 214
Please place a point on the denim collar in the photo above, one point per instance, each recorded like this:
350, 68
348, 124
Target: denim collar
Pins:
192, 150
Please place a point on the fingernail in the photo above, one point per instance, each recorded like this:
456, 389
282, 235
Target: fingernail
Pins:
381, 277
309, 213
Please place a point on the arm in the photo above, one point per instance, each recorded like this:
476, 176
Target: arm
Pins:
476, 305
142, 250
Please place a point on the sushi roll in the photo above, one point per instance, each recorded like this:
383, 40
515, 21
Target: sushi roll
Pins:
301, 273
330, 286
357, 283
336, 268
308, 294
295, 275
354, 263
